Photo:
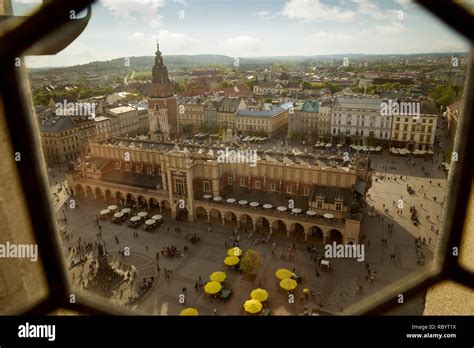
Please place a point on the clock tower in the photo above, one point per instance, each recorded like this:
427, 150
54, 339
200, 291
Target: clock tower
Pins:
162, 105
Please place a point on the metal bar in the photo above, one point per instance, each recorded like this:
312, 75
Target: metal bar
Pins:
31, 171
461, 175
32, 29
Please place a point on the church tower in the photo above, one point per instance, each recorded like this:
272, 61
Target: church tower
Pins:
162, 104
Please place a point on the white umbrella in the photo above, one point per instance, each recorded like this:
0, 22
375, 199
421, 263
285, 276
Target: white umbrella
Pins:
243, 202
328, 216
254, 204
104, 212
217, 198
126, 210
135, 218
157, 217
142, 214
282, 208
207, 196
267, 206
296, 210
311, 213
119, 215
112, 207
231, 200
328, 145
150, 222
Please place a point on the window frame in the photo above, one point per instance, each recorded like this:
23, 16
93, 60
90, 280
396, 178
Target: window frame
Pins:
24, 137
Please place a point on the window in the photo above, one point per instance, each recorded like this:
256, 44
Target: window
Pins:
242, 182
149, 170
257, 184
319, 204
338, 206
206, 186
127, 167
289, 189
444, 273
272, 187
179, 186
306, 191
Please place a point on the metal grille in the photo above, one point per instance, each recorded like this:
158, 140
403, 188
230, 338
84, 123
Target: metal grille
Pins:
19, 38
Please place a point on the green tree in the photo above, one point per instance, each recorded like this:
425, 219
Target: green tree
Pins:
306, 85
179, 87
251, 262
443, 94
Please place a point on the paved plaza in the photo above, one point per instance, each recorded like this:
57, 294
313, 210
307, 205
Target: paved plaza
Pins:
333, 291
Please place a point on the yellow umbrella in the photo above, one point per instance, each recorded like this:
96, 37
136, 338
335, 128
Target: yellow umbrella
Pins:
189, 312
283, 273
218, 277
288, 284
212, 288
259, 294
306, 290
234, 251
252, 306
231, 260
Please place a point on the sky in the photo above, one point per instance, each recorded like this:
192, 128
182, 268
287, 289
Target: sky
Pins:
252, 28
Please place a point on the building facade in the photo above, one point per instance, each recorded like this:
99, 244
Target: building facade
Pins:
358, 120
271, 122
65, 138
227, 110
176, 182
416, 132
191, 115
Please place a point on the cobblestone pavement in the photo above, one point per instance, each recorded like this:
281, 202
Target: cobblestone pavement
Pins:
333, 291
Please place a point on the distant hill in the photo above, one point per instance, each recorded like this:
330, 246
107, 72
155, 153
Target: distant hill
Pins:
117, 66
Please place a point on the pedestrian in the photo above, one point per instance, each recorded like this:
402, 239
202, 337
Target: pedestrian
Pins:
196, 286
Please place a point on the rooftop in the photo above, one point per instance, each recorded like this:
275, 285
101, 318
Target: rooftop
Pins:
265, 113
121, 110
132, 178
57, 125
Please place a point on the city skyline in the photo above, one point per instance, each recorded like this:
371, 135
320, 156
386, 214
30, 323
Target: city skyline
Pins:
253, 29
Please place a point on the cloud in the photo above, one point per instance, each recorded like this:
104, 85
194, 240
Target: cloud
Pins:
176, 43
390, 28
264, 14
146, 11
182, 2
315, 11
405, 4
242, 45
366, 8
325, 35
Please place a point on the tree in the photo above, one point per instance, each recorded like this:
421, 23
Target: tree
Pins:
251, 262
179, 87
306, 85
443, 94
